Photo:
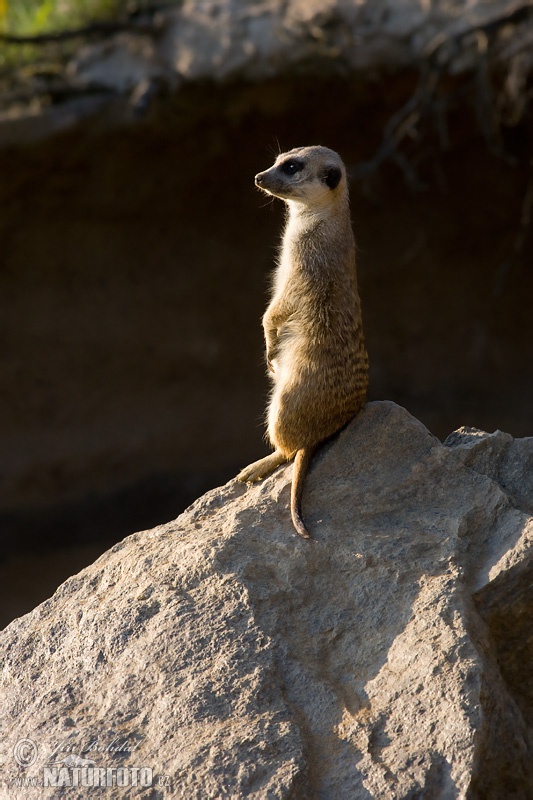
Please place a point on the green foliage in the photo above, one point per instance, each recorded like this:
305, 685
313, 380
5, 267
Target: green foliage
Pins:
36, 17
32, 17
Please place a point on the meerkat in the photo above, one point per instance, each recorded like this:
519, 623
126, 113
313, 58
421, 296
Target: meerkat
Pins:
315, 347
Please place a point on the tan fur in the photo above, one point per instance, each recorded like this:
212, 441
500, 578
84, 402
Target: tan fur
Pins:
313, 329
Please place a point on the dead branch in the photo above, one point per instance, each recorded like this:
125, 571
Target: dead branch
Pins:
438, 59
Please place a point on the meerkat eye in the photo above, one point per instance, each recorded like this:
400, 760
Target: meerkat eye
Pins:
292, 166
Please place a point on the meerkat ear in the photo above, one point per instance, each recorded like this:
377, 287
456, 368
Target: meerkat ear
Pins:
332, 177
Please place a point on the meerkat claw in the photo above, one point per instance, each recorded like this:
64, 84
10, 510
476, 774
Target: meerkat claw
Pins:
248, 475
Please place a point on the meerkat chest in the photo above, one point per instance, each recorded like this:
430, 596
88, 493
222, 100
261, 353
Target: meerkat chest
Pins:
291, 266
284, 272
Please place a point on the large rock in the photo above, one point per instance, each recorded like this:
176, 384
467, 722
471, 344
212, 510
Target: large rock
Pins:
388, 658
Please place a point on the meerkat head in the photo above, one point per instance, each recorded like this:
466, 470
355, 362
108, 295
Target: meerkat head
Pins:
309, 176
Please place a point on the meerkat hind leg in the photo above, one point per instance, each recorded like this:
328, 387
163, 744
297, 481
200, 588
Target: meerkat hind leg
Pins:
262, 468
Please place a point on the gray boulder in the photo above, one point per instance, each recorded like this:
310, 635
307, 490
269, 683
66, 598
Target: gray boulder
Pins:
220, 656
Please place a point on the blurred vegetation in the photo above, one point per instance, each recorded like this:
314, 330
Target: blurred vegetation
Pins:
41, 18
36, 17
33, 17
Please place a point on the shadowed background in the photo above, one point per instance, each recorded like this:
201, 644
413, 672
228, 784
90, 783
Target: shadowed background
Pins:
134, 272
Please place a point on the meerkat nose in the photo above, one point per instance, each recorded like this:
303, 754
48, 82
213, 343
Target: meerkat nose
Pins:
259, 178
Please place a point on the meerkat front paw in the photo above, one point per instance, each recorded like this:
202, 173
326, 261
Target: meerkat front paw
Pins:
271, 354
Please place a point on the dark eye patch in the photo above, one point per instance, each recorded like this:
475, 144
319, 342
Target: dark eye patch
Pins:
292, 166
332, 177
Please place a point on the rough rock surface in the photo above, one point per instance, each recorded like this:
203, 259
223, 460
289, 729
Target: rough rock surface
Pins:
223, 38
236, 660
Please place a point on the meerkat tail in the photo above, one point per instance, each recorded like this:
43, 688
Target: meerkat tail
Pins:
301, 464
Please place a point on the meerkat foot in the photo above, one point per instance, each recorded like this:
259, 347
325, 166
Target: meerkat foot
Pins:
262, 468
